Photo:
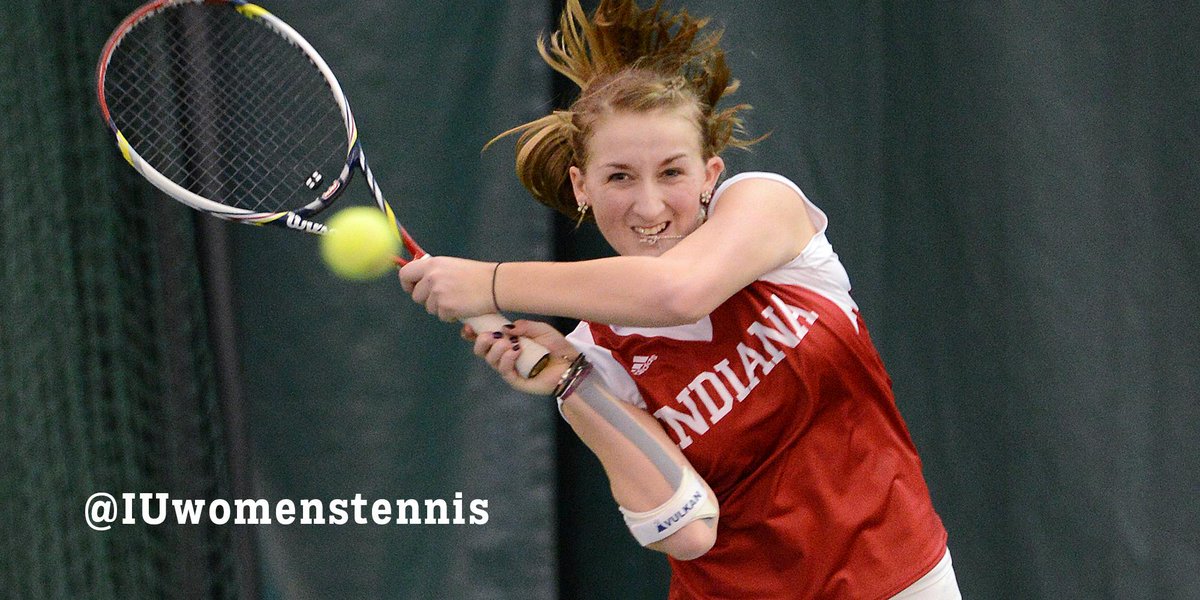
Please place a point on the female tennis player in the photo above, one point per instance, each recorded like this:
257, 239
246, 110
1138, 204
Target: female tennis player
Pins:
721, 371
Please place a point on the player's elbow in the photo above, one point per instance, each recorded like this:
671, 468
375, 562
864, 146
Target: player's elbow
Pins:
687, 301
691, 542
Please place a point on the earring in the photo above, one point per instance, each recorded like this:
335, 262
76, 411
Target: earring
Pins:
581, 212
705, 199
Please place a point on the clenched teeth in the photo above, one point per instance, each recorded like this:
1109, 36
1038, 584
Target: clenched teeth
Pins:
657, 229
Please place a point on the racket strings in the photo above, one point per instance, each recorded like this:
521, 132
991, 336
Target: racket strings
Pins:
226, 107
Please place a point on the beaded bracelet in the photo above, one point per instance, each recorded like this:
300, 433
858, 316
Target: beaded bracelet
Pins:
579, 369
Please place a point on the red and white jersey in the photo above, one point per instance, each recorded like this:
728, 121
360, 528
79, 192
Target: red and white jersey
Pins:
781, 402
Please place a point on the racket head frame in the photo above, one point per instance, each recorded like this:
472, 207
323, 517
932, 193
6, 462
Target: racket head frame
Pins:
532, 360
299, 218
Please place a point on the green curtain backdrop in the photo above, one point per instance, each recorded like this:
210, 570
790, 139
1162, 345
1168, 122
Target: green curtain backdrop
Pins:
107, 380
1015, 191
1012, 186
1042, 177
351, 387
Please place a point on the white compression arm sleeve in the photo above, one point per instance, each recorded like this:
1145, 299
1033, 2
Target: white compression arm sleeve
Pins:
691, 500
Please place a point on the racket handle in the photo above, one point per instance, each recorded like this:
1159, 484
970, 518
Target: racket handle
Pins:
533, 358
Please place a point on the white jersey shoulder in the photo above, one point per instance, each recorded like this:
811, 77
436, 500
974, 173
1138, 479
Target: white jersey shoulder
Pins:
816, 268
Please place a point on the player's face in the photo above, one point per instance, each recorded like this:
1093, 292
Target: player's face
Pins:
643, 179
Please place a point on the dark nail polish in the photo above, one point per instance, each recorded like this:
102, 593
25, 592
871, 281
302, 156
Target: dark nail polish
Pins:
513, 338
510, 326
516, 346
497, 334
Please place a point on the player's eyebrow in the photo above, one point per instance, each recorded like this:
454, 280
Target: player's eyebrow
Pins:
626, 167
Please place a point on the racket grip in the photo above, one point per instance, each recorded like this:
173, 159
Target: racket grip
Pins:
533, 358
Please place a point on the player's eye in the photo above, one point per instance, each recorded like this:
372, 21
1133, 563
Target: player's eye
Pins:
618, 176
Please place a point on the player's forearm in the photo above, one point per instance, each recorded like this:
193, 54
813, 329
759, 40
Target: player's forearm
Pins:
664, 502
637, 482
626, 290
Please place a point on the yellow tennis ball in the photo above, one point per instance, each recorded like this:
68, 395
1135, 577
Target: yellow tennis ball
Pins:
360, 244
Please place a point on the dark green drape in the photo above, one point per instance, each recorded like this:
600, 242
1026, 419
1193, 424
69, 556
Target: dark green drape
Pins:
352, 388
1013, 188
1015, 192
106, 374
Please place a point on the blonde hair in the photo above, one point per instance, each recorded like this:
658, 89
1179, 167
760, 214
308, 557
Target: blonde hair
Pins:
624, 58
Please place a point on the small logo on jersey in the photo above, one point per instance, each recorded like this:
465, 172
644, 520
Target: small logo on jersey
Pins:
641, 364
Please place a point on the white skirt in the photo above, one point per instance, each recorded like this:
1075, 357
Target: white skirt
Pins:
938, 584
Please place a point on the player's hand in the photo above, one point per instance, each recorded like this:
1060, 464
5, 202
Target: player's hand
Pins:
501, 348
451, 288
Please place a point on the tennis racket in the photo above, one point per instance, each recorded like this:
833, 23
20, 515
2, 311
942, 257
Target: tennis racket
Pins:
227, 109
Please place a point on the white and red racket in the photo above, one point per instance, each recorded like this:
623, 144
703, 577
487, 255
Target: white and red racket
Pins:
227, 109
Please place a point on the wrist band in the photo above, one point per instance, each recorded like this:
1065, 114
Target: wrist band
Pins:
579, 369
495, 270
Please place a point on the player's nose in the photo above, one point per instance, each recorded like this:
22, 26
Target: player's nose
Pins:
650, 202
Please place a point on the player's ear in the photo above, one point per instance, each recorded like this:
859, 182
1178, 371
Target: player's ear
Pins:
713, 168
577, 185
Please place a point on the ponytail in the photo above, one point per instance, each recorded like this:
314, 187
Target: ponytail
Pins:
630, 59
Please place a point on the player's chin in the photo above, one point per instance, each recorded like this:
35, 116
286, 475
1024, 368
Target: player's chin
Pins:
635, 250
635, 246
660, 247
